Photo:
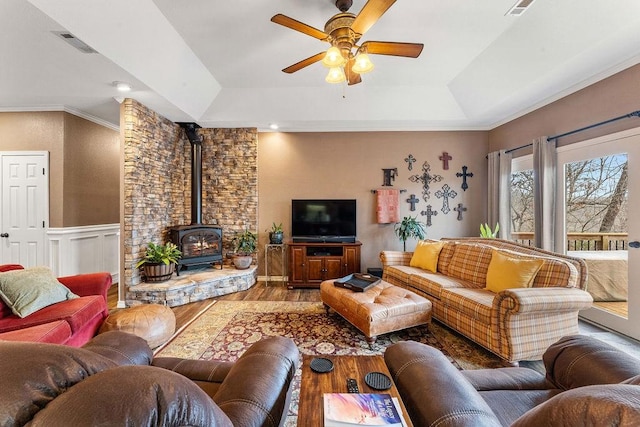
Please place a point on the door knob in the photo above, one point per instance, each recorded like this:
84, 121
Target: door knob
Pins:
4, 235
635, 244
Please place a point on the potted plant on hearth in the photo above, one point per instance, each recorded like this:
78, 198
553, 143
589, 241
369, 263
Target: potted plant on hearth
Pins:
408, 228
276, 235
245, 244
159, 261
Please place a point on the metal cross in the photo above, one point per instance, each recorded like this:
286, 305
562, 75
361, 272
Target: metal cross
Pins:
425, 178
460, 209
412, 201
445, 160
446, 193
464, 176
429, 213
410, 160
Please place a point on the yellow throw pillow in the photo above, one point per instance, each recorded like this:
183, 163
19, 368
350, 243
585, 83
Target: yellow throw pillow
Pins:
426, 255
507, 272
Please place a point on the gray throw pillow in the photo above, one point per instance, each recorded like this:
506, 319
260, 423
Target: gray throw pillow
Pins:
27, 291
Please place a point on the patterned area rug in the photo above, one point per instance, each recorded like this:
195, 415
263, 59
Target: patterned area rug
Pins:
227, 328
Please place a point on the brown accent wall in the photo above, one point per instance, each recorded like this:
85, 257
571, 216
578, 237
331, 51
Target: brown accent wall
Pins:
91, 179
156, 178
349, 165
77, 149
609, 98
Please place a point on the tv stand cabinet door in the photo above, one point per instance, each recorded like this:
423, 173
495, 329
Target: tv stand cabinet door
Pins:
315, 269
351, 260
297, 265
332, 268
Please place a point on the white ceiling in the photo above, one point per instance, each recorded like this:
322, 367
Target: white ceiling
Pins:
219, 63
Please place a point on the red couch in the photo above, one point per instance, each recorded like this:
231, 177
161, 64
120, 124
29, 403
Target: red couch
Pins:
72, 322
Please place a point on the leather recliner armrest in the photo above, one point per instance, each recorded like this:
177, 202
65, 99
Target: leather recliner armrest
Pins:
580, 360
433, 390
121, 347
257, 389
207, 374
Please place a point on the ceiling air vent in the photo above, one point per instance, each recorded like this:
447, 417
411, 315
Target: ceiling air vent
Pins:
520, 7
74, 41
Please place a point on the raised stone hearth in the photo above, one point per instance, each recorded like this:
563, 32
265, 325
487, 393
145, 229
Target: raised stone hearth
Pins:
192, 285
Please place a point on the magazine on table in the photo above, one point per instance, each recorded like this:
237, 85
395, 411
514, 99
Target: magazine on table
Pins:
360, 409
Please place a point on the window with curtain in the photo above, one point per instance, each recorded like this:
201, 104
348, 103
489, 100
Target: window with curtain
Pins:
522, 220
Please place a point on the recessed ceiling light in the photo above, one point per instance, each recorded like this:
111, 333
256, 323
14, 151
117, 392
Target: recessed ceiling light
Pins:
122, 86
273, 126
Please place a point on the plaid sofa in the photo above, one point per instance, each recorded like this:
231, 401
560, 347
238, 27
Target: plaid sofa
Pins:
515, 324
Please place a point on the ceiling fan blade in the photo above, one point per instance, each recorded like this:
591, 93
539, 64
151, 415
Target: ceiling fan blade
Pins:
304, 63
352, 77
299, 26
369, 15
411, 50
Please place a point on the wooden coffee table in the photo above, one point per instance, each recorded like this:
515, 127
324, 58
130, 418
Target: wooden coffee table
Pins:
314, 385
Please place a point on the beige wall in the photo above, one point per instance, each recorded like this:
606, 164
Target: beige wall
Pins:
612, 97
83, 164
349, 165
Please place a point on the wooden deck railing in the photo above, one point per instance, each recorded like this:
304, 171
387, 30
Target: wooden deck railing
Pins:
583, 241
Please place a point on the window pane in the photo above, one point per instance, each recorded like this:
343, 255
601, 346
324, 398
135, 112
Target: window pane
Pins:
522, 225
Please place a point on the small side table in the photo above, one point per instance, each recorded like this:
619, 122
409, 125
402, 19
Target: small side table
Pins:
272, 248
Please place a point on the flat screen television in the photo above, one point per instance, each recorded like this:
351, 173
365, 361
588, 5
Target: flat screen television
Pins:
323, 220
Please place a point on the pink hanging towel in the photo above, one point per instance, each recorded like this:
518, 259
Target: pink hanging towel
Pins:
387, 206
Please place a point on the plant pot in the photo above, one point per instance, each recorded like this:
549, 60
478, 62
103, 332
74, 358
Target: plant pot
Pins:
242, 262
275, 237
158, 272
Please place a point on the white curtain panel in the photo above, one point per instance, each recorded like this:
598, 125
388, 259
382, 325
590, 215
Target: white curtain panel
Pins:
499, 192
545, 163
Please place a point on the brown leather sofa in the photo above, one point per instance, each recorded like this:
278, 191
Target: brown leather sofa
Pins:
587, 382
114, 380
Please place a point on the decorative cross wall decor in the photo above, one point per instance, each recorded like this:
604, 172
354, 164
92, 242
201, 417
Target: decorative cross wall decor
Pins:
445, 160
425, 178
410, 160
429, 213
412, 201
388, 176
460, 209
464, 176
445, 194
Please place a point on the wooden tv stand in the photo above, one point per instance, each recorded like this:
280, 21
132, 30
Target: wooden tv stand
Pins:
312, 263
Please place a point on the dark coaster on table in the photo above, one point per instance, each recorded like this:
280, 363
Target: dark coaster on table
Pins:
321, 365
377, 380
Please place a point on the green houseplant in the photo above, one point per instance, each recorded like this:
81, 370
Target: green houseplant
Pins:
409, 228
276, 235
485, 231
245, 245
159, 261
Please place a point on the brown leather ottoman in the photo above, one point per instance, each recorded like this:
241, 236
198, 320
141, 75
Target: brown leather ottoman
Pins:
379, 310
153, 322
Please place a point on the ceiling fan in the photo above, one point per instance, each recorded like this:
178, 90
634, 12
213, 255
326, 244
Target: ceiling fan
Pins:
343, 31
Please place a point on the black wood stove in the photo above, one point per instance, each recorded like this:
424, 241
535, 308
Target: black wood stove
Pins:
199, 243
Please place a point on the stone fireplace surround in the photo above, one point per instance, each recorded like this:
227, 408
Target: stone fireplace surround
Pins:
157, 183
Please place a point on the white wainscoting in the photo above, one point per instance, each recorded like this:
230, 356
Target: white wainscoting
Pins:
87, 249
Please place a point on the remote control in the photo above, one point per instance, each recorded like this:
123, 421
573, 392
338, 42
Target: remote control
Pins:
352, 386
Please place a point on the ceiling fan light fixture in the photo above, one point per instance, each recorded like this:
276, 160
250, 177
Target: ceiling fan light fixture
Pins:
336, 75
333, 58
362, 64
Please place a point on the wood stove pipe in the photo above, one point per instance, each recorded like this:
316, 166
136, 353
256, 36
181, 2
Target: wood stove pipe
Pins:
196, 170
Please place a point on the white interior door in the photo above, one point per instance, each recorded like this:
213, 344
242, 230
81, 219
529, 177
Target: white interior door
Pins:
25, 207
622, 145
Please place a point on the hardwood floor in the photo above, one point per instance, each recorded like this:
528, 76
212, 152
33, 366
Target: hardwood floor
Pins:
258, 292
